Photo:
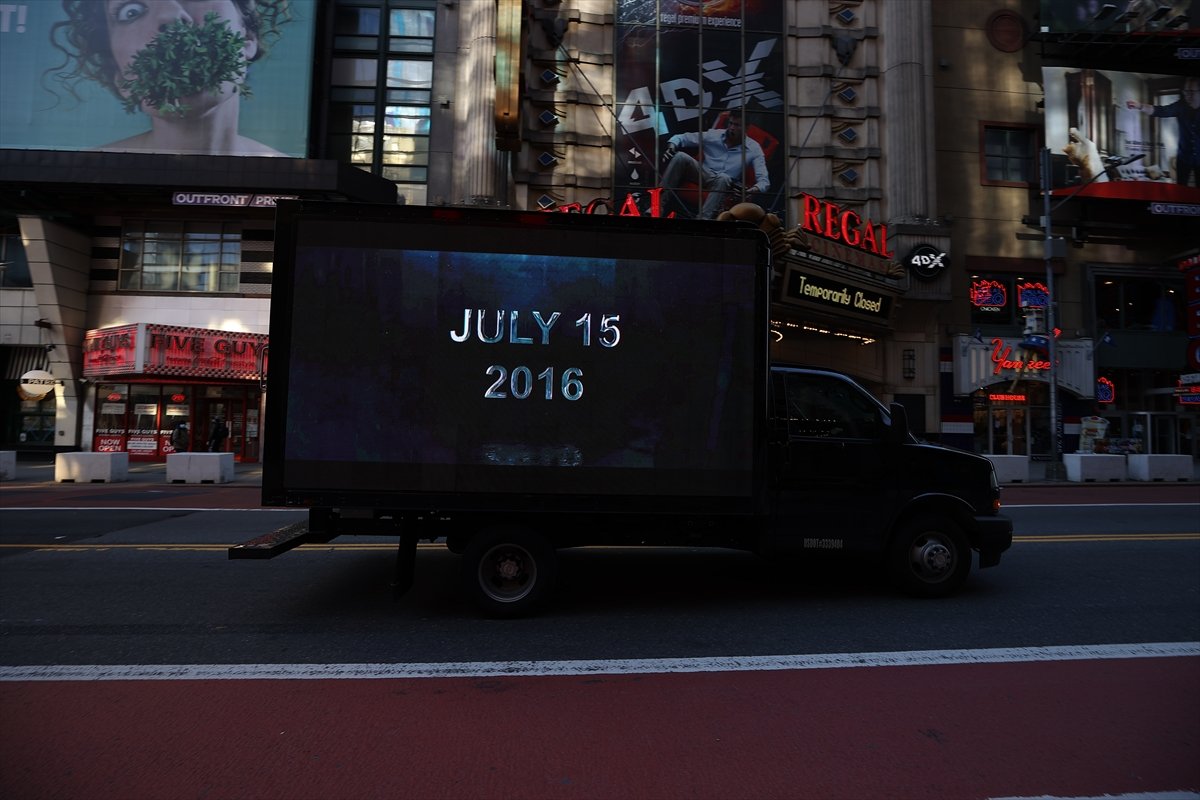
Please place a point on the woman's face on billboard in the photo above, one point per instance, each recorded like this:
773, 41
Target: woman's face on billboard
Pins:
133, 24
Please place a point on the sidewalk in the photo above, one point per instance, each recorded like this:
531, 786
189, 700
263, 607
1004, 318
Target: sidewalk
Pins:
1037, 476
40, 470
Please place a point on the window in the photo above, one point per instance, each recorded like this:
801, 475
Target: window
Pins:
1139, 303
382, 90
1008, 155
168, 256
14, 267
823, 407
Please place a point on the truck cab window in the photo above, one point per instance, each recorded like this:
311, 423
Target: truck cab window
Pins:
823, 407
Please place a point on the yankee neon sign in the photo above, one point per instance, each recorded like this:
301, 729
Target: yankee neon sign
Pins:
1001, 353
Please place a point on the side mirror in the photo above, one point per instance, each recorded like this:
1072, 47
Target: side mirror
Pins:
898, 432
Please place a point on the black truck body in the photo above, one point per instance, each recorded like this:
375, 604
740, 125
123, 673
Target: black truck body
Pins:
513, 383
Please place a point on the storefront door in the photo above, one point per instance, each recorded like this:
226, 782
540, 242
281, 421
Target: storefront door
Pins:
1010, 432
230, 409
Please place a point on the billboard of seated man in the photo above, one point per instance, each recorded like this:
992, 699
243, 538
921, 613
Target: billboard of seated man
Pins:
717, 160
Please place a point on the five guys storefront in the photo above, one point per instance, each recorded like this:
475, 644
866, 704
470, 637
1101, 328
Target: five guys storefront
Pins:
146, 379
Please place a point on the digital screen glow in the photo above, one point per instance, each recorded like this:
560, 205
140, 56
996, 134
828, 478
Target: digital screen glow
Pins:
481, 369
148, 77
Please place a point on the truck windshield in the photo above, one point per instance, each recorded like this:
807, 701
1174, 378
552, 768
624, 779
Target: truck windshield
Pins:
823, 406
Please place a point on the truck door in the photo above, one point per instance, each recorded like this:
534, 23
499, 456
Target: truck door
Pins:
831, 480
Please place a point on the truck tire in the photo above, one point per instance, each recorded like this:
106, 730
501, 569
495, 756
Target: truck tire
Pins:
929, 557
508, 573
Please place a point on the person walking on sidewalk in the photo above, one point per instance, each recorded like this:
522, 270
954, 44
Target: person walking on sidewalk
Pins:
216, 439
179, 437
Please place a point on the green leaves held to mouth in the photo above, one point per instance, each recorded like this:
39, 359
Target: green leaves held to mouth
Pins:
185, 59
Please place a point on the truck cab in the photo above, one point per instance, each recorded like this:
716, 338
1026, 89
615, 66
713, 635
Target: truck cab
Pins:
847, 476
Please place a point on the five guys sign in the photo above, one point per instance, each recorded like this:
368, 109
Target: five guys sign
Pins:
148, 349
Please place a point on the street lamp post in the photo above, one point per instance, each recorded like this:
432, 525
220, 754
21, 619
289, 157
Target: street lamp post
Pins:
1054, 471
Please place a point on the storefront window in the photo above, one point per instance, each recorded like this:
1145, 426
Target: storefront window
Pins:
1012, 420
111, 423
1139, 303
176, 402
144, 432
37, 421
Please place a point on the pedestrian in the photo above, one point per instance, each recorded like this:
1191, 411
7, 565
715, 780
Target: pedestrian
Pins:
179, 437
216, 439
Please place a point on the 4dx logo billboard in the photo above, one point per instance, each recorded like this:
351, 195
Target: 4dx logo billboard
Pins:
688, 67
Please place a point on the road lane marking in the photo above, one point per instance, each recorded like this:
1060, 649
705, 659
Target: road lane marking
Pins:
1005, 506
483, 669
1107, 537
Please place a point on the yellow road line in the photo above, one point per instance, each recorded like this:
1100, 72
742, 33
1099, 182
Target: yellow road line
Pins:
1109, 537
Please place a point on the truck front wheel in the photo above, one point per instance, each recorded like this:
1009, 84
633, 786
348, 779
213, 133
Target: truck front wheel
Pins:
508, 573
929, 557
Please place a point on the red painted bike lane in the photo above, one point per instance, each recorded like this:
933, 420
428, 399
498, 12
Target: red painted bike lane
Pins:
1067, 728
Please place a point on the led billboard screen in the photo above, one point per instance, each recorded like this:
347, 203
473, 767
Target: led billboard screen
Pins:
146, 76
700, 104
1099, 121
563, 360
1130, 17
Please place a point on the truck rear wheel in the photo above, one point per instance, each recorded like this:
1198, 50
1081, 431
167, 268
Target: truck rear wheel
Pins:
508, 573
929, 557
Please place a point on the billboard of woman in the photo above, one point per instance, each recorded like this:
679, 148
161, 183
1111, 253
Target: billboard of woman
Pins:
206, 77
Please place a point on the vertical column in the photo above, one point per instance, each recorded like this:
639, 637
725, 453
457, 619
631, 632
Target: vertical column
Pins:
906, 99
481, 170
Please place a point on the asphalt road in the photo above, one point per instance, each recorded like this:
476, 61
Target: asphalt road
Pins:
118, 589
105, 586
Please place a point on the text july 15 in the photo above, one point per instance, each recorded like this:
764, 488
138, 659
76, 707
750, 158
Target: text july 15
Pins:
515, 327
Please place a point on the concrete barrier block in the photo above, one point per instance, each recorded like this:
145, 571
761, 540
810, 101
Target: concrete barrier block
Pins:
1151, 467
200, 468
8, 465
1010, 469
91, 467
1091, 467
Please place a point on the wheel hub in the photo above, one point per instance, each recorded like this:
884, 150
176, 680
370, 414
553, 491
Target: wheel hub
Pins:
508, 568
934, 558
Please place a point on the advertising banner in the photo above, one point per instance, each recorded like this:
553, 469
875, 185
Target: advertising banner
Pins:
1098, 120
700, 104
763, 15
173, 350
1135, 17
148, 77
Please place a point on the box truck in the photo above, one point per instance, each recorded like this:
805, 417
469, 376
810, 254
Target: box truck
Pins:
514, 383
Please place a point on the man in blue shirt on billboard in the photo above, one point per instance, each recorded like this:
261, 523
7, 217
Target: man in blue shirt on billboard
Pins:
724, 154
1187, 111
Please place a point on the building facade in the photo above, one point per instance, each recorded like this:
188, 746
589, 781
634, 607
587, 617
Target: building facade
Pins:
898, 140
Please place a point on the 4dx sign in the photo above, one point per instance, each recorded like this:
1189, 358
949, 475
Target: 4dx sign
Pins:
926, 262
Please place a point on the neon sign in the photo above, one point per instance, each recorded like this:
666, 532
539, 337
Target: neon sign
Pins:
1032, 295
628, 209
988, 294
1105, 391
1000, 357
827, 220
1007, 398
